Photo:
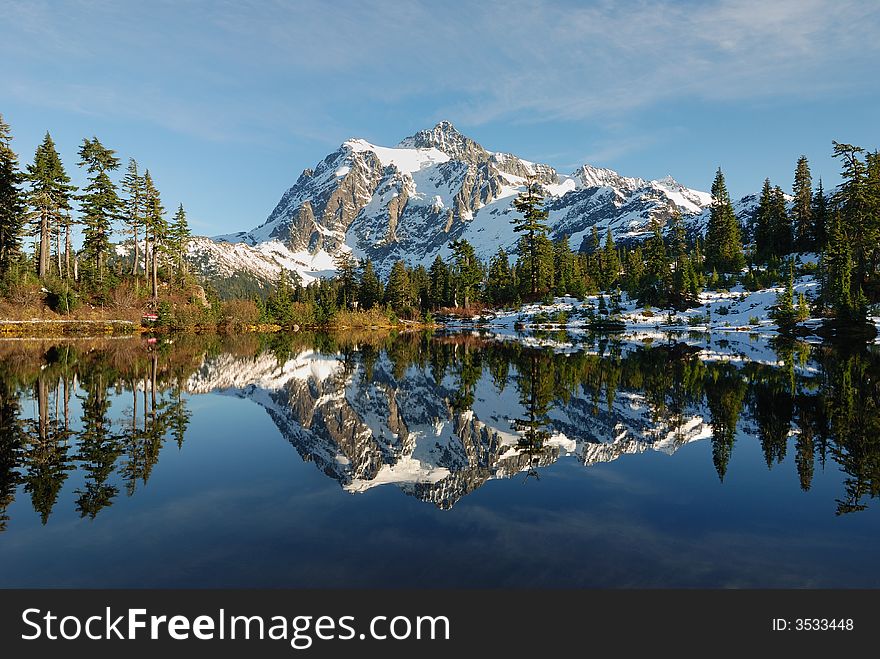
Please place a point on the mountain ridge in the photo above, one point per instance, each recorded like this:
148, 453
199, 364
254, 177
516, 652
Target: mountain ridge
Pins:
409, 201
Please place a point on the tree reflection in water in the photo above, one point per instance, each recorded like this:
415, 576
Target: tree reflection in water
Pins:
106, 409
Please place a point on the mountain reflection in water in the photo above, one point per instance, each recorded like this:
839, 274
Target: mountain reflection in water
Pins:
436, 416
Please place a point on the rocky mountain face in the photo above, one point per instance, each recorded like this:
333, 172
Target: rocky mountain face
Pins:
410, 201
368, 424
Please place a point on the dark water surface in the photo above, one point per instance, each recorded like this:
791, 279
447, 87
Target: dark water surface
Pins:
433, 461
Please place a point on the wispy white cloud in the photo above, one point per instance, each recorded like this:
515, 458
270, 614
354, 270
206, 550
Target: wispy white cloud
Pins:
316, 69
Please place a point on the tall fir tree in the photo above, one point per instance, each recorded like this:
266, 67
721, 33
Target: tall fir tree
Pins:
100, 202
763, 232
781, 222
11, 201
467, 271
156, 230
370, 289
133, 208
533, 225
499, 280
656, 280
564, 266
802, 209
438, 283
723, 249
48, 198
398, 292
610, 263
836, 271
346, 274
851, 201
820, 217
179, 235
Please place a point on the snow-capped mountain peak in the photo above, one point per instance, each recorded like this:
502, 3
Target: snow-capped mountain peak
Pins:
410, 201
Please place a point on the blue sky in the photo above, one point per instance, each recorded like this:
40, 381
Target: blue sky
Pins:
227, 101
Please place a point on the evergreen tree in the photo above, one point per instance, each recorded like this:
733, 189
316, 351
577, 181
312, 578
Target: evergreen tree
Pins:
781, 223
48, 198
634, 271
563, 266
134, 207
685, 287
467, 271
178, 240
421, 287
763, 225
654, 287
11, 201
610, 264
155, 232
836, 273
851, 201
820, 217
533, 226
100, 203
723, 241
370, 290
398, 292
439, 284
346, 274
499, 281
802, 210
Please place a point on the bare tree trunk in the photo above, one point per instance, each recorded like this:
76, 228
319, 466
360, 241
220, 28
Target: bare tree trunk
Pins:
43, 267
58, 249
155, 273
134, 265
67, 248
146, 253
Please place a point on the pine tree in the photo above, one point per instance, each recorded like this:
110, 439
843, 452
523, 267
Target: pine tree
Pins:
370, 290
178, 241
155, 232
723, 240
820, 217
100, 203
836, 271
802, 210
11, 201
532, 224
684, 282
563, 266
654, 287
346, 275
781, 223
48, 198
134, 207
634, 271
467, 271
398, 292
499, 281
438, 284
851, 200
610, 263
763, 225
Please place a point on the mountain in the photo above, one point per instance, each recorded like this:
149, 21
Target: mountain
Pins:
409, 201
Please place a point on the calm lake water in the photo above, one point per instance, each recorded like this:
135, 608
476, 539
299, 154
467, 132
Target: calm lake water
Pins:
438, 461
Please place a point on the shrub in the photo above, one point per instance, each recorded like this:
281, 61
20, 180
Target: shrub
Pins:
62, 299
754, 320
560, 317
239, 313
698, 319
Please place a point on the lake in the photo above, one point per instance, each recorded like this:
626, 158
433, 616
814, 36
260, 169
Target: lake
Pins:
439, 460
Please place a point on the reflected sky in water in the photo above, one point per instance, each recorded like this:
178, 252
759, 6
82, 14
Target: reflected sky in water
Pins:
435, 461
